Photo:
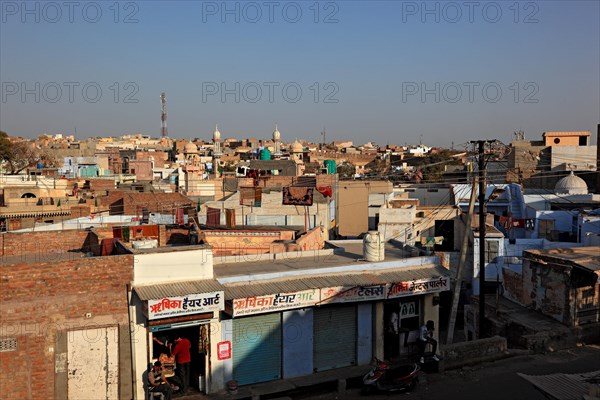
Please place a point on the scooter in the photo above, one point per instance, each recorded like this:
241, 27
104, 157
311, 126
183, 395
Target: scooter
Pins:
384, 378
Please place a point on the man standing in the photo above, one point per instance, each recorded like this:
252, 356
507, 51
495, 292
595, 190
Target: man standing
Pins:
182, 359
426, 336
158, 382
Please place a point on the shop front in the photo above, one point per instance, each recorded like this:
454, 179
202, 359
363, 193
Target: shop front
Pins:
166, 317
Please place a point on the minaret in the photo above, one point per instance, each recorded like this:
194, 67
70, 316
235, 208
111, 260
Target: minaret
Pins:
217, 142
277, 143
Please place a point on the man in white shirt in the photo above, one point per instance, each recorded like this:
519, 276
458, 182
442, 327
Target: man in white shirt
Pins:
426, 336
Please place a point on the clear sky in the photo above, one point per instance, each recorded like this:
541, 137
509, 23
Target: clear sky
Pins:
383, 71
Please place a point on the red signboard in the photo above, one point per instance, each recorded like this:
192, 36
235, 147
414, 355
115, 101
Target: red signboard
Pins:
224, 350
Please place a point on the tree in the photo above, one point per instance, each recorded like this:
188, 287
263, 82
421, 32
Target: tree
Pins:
17, 156
346, 170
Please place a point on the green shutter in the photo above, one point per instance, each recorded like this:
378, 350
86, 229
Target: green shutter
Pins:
334, 337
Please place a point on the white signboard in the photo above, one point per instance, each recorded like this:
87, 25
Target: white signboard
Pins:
190, 304
420, 286
275, 302
347, 294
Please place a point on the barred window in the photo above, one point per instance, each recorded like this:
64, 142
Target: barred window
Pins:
8, 345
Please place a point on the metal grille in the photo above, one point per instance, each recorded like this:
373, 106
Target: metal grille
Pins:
8, 345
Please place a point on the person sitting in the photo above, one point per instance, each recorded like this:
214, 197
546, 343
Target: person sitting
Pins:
426, 336
157, 381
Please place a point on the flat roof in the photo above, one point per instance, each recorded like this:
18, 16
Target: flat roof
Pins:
585, 257
554, 134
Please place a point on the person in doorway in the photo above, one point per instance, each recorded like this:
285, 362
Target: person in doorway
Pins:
182, 355
158, 382
162, 345
393, 336
425, 337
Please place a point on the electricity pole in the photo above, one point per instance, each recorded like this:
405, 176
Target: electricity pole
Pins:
482, 188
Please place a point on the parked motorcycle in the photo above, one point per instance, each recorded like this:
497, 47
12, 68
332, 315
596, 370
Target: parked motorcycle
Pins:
384, 378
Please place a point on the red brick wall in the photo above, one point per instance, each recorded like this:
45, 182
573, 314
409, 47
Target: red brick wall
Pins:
44, 244
131, 203
41, 301
99, 185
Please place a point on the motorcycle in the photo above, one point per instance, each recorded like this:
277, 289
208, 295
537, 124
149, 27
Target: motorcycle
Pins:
384, 378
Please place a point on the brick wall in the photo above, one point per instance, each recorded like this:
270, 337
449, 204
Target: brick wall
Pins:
131, 203
41, 302
40, 245
312, 240
100, 185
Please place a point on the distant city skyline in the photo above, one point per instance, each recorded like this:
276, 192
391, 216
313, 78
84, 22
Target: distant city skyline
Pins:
386, 72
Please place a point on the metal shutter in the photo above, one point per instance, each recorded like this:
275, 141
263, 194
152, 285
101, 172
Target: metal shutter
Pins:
334, 337
257, 348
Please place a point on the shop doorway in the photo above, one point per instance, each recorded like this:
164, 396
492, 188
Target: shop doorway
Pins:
401, 323
198, 335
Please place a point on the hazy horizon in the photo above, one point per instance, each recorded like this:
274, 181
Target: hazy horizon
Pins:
365, 71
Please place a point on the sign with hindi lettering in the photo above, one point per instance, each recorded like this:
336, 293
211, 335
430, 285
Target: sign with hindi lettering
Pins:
347, 294
275, 302
190, 304
419, 286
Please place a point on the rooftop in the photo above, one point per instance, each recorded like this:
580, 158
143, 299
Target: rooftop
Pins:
585, 257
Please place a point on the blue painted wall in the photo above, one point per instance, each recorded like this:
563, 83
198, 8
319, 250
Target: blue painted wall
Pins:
297, 343
364, 351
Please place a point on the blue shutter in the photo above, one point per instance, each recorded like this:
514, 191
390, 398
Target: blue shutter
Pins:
256, 348
334, 337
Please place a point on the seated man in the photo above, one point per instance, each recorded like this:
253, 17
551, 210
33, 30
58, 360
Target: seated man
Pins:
157, 381
426, 336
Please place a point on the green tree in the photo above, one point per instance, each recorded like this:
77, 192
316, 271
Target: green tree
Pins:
5, 147
346, 170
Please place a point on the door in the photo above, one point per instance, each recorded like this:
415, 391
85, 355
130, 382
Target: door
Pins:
93, 363
334, 337
256, 349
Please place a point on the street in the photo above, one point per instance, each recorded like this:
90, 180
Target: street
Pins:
490, 381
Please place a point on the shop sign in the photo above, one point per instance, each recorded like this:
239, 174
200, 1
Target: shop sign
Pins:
419, 286
346, 294
190, 304
224, 350
275, 302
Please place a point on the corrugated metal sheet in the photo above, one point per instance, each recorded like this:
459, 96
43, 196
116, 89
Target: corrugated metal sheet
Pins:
564, 386
334, 337
257, 348
261, 288
172, 289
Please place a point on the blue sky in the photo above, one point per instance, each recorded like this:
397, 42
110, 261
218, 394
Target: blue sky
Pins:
386, 71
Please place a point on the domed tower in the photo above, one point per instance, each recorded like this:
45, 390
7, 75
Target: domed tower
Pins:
217, 142
277, 142
571, 184
190, 154
297, 150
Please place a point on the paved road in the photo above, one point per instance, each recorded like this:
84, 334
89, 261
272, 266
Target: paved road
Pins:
492, 381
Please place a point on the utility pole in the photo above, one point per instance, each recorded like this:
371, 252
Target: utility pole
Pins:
461, 263
481, 236
482, 186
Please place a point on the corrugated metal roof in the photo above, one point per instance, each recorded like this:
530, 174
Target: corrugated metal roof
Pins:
261, 288
564, 386
173, 289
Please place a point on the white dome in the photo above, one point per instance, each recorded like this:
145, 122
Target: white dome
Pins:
297, 147
190, 148
571, 184
217, 134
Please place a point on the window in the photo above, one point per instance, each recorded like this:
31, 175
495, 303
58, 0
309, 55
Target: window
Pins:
8, 345
491, 250
556, 140
545, 228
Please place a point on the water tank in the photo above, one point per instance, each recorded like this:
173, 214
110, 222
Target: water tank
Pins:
145, 244
265, 154
331, 167
373, 246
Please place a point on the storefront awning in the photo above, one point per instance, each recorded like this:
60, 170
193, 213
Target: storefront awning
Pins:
176, 289
262, 288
